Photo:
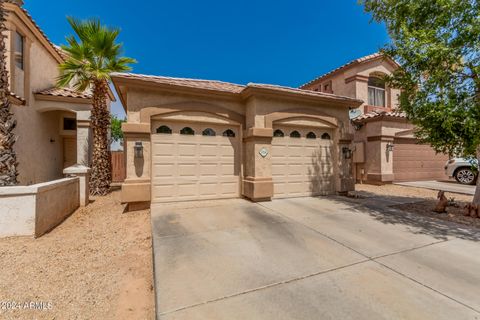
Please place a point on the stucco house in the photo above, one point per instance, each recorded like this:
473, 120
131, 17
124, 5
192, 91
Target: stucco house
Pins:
189, 139
52, 124
385, 149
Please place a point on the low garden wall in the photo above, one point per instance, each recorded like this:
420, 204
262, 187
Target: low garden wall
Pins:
36, 209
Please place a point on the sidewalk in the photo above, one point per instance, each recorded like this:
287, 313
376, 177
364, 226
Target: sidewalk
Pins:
440, 185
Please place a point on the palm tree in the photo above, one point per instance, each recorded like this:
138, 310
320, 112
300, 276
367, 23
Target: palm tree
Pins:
8, 158
92, 56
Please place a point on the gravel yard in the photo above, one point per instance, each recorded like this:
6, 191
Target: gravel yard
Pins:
96, 265
423, 202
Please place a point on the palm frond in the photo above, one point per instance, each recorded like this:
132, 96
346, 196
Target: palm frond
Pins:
93, 53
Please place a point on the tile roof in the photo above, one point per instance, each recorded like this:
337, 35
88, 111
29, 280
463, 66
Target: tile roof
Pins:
225, 86
348, 64
185, 82
16, 97
375, 114
56, 48
301, 91
65, 92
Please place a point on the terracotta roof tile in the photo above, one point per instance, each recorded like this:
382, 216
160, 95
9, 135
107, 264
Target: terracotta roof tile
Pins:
17, 98
226, 86
56, 48
375, 114
301, 91
65, 92
185, 82
348, 64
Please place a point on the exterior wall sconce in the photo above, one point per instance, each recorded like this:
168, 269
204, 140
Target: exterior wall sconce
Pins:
390, 147
138, 149
347, 152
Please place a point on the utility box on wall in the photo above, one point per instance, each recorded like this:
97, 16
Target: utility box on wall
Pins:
359, 152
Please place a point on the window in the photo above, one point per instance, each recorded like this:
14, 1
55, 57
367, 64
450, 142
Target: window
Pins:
19, 50
188, 131
164, 129
326, 88
376, 92
278, 133
228, 133
295, 134
69, 124
326, 136
209, 132
311, 135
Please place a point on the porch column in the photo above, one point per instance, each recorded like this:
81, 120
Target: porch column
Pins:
84, 138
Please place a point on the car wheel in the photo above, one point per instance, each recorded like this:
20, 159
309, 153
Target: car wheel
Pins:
465, 176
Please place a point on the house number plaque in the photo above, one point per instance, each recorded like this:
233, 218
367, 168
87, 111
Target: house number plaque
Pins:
263, 152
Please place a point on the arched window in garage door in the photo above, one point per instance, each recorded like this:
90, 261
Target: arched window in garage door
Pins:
278, 133
209, 132
295, 134
326, 136
187, 131
164, 129
228, 133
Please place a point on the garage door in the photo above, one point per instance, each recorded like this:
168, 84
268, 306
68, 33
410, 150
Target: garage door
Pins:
413, 161
302, 163
194, 162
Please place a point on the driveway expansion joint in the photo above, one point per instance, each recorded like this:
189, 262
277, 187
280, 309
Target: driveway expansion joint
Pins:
378, 262
268, 286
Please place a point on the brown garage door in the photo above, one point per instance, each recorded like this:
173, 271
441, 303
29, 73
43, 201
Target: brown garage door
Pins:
412, 161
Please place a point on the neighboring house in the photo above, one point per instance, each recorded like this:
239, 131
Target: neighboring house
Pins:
385, 147
52, 124
191, 139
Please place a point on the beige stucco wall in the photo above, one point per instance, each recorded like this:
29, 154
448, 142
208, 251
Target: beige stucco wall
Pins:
256, 115
36, 209
378, 165
39, 147
344, 86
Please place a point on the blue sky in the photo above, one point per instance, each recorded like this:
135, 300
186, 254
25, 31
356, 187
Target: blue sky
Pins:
264, 41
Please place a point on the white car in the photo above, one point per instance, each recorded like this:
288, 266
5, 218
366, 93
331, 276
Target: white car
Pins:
462, 170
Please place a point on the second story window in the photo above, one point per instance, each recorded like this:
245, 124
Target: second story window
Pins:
19, 50
376, 92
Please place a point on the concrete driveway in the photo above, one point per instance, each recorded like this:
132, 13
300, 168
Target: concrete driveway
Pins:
312, 258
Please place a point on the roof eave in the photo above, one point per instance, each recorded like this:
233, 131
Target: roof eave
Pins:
47, 97
250, 91
381, 118
35, 29
346, 66
144, 83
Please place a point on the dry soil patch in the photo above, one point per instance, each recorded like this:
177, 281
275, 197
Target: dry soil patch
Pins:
96, 265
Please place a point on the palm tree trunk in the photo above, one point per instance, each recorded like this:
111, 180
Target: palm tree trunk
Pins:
8, 158
101, 174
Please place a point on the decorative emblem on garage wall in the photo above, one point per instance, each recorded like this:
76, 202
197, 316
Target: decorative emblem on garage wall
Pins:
263, 152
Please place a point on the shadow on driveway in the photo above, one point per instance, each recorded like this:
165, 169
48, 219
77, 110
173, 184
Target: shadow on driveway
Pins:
379, 207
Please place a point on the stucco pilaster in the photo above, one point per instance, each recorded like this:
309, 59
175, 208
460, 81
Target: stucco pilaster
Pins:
84, 138
257, 181
136, 187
